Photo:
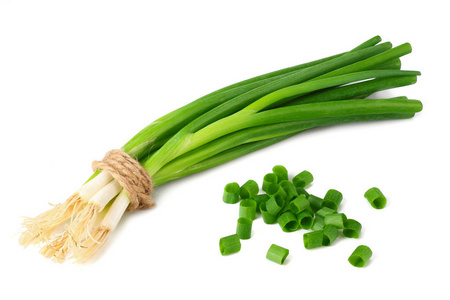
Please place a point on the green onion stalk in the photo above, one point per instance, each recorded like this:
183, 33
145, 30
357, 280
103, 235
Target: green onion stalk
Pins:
226, 124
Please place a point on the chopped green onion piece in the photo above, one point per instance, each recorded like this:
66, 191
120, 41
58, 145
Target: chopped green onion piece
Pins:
313, 239
316, 202
299, 204
275, 189
332, 199
303, 179
352, 229
277, 254
301, 191
288, 222
318, 223
274, 205
337, 219
289, 188
325, 211
229, 244
376, 198
330, 234
281, 172
244, 228
269, 179
305, 219
249, 189
267, 217
260, 199
231, 193
360, 256
247, 209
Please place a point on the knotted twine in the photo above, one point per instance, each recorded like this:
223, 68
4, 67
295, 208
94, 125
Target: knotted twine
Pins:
131, 176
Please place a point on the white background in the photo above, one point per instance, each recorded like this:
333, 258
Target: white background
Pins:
78, 78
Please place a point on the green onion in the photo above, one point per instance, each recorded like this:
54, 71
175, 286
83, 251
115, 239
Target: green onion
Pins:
276, 190
267, 217
315, 202
375, 198
260, 199
330, 234
305, 219
268, 180
289, 189
247, 209
313, 239
274, 205
332, 199
231, 193
227, 124
352, 229
302, 191
281, 172
249, 189
318, 223
229, 244
360, 256
244, 228
303, 179
299, 204
288, 222
336, 219
325, 211
277, 254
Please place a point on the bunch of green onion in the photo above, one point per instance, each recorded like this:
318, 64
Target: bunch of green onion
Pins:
227, 124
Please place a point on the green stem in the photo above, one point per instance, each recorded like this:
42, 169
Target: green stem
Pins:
249, 140
175, 146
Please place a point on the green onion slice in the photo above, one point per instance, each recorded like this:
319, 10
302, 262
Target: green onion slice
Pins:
360, 256
244, 228
288, 222
352, 229
330, 234
375, 198
313, 239
277, 254
229, 244
303, 179
231, 193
